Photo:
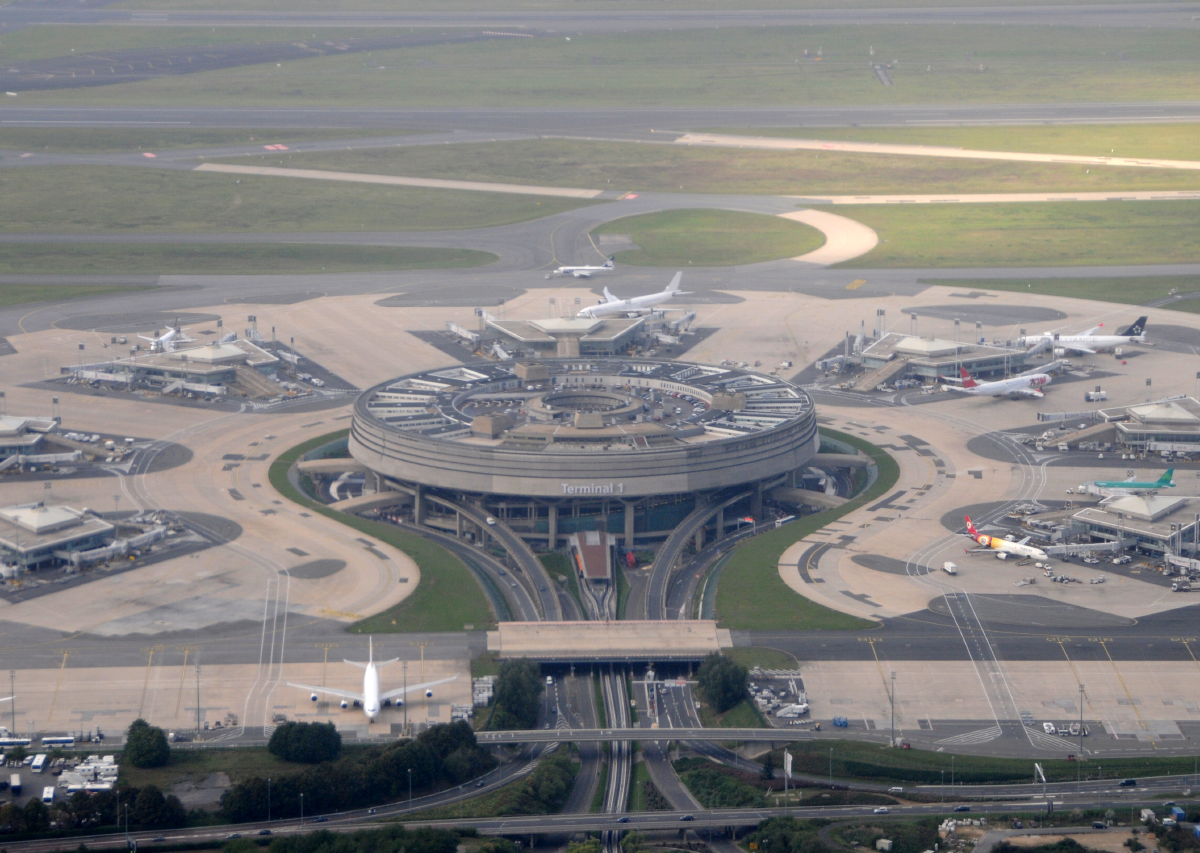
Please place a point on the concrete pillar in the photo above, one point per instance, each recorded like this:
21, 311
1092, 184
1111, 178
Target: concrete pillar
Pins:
756, 502
629, 521
553, 522
418, 505
720, 522
458, 517
699, 538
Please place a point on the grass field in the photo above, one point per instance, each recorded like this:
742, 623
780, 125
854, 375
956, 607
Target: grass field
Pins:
1129, 291
225, 259
1042, 234
448, 596
751, 595
677, 168
1165, 141
196, 764
743, 715
97, 198
24, 294
637, 787
101, 140
559, 566
711, 238
751, 656
870, 762
934, 64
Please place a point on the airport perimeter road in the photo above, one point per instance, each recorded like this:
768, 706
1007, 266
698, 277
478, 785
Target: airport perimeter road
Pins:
688, 734
599, 121
1117, 15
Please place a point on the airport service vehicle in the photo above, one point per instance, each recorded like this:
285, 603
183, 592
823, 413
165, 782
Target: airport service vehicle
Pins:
1024, 385
39, 763
1088, 343
48, 795
614, 307
166, 342
585, 272
1003, 547
371, 699
949, 568
1132, 486
14, 784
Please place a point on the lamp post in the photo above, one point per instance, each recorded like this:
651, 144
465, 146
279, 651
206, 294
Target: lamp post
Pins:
943, 787
1079, 757
831, 767
12, 703
951, 771
302, 808
893, 743
410, 787
268, 799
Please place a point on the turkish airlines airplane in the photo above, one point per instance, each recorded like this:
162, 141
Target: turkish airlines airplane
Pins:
1027, 385
1087, 342
1003, 547
371, 699
614, 307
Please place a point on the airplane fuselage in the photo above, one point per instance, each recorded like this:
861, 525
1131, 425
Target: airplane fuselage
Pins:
1006, 547
1095, 342
371, 692
1006, 386
633, 305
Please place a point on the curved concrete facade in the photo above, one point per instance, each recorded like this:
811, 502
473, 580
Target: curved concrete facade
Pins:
418, 430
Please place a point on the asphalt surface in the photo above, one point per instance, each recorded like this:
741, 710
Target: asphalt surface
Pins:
633, 122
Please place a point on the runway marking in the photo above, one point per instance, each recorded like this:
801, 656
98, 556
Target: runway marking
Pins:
57, 684
1124, 687
146, 682
856, 284
1078, 677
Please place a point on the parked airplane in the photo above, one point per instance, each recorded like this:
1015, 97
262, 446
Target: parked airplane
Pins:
584, 272
370, 698
166, 342
614, 307
1003, 547
1087, 342
1027, 384
1132, 486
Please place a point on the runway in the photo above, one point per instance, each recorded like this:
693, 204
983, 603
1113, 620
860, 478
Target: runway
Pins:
608, 121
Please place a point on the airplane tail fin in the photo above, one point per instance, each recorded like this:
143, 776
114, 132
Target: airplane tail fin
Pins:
967, 382
609, 263
370, 649
608, 297
1165, 479
673, 287
971, 527
1138, 327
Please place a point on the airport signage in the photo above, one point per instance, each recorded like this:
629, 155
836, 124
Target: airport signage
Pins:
594, 489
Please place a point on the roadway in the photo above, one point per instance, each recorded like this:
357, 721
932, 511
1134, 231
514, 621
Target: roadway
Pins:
627, 734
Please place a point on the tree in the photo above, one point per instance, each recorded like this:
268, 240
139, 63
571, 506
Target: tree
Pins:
17, 754
146, 745
768, 767
518, 690
633, 842
592, 845
498, 845
310, 743
11, 817
723, 681
37, 816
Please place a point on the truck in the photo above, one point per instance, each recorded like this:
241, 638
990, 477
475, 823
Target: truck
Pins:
1178, 814
14, 784
1095, 396
1148, 817
949, 568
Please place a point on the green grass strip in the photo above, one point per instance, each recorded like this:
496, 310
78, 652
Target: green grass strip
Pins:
751, 594
561, 564
711, 238
448, 598
24, 294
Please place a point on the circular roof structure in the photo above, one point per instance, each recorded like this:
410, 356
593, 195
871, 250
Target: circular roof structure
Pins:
584, 426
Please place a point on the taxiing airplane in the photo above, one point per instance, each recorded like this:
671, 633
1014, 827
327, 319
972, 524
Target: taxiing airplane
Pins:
1088, 343
584, 272
1003, 547
614, 307
1132, 486
166, 342
1026, 385
371, 699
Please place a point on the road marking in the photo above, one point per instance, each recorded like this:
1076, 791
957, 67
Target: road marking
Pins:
1132, 705
856, 284
57, 684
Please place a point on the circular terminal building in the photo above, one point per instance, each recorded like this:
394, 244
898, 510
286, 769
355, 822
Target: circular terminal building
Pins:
559, 446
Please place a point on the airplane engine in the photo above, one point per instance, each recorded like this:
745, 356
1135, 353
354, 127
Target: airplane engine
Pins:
1059, 352
399, 703
313, 697
1001, 555
428, 694
345, 704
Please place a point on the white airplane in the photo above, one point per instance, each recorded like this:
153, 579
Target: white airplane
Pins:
614, 307
1027, 385
371, 699
584, 272
166, 342
1087, 342
1003, 547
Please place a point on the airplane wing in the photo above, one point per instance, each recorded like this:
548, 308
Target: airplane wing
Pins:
400, 691
144, 338
958, 388
1092, 330
341, 694
1029, 392
1078, 348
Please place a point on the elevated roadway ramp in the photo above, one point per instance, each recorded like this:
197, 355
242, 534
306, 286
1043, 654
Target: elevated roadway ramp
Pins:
609, 642
331, 466
841, 460
872, 380
791, 734
805, 497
